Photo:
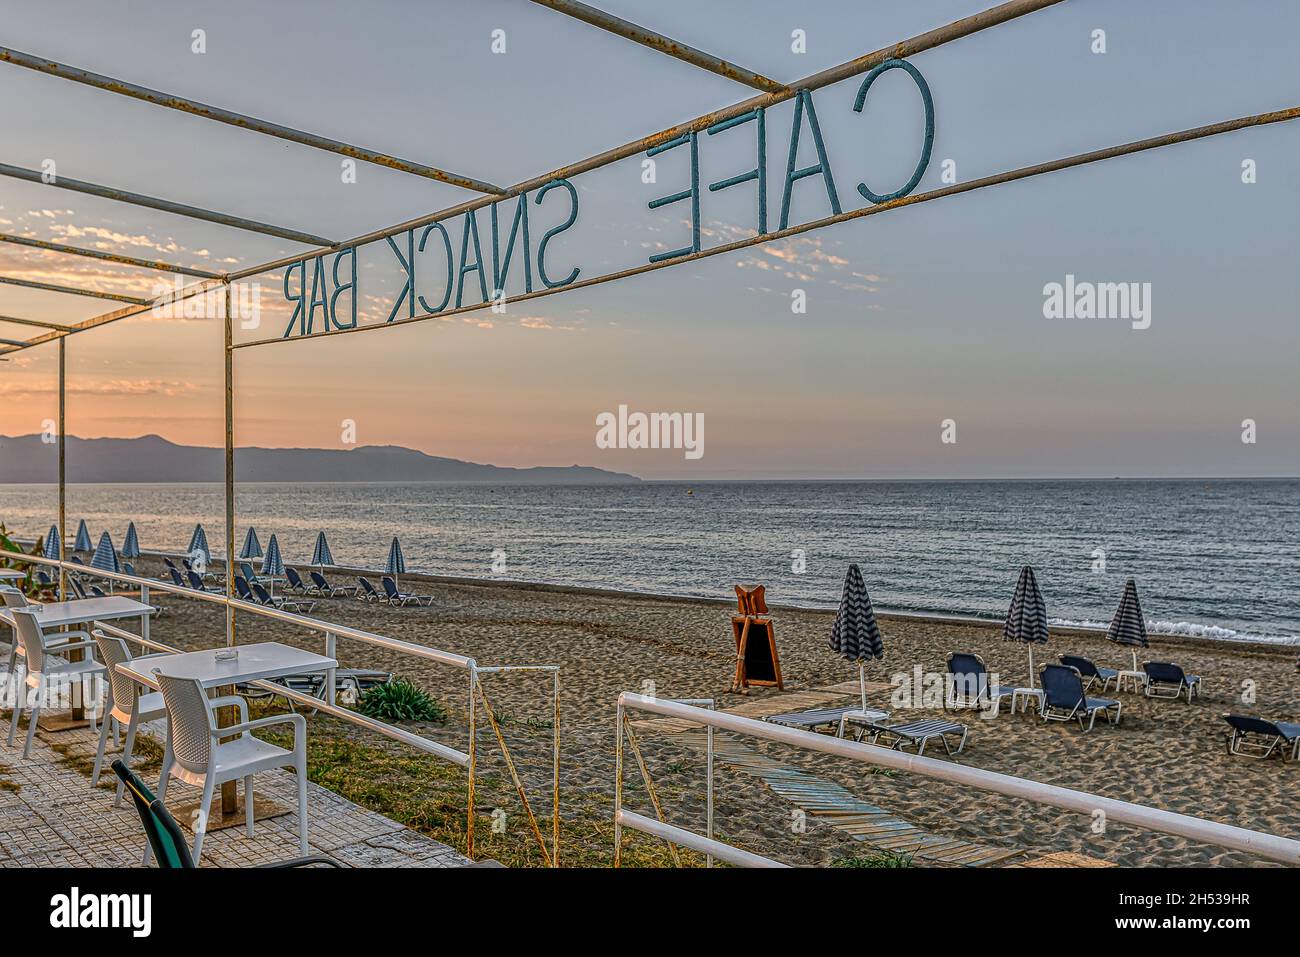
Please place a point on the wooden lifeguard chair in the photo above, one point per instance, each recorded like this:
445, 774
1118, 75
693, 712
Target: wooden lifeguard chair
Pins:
754, 633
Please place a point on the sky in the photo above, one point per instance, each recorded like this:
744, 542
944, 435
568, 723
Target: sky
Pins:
921, 324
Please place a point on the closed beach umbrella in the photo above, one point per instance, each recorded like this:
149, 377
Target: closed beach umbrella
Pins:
321, 554
272, 562
199, 545
131, 544
105, 558
52, 543
396, 564
1128, 627
1027, 616
855, 636
252, 547
82, 544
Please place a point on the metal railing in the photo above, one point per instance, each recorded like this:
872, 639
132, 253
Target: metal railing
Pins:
477, 694
1270, 846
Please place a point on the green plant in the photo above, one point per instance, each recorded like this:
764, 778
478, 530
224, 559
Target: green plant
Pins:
878, 859
400, 700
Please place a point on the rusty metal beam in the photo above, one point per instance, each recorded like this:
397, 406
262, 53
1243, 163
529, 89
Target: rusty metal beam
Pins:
165, 205
35, 322
656, 41
992, 17
73, 290
1025, 172
216, 113
106, 257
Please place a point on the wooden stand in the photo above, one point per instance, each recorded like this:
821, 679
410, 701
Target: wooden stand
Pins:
757, 662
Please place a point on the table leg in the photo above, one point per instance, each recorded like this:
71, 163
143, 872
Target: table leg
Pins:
78, 707
225, 718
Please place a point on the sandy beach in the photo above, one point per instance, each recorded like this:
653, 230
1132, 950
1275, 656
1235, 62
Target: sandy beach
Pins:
1166, 754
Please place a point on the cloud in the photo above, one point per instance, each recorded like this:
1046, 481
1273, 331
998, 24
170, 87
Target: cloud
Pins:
107, 387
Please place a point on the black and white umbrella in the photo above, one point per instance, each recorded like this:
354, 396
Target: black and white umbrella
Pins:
82, 544
52, 543
272, 561
1027, 616
855, 635
105, 558
396, 564
321, 554
131, 544
199, 546
252, 547
1128, 627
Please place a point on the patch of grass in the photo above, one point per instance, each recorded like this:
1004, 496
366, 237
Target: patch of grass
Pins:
429, 796
877, 859
400, 700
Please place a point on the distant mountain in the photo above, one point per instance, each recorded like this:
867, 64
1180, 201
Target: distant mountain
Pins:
151, 458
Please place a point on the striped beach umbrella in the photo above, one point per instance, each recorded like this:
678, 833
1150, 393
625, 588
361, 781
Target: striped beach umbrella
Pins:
131, 544
272, 561
252, 547
52, 543
321, 554
1027, 616
199, 545
396, 564
855, 636
105, 558
1128, 627
82, 544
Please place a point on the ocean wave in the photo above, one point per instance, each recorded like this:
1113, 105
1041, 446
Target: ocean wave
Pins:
1187, 629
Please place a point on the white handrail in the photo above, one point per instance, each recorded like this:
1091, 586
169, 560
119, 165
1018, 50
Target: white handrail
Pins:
1271, 846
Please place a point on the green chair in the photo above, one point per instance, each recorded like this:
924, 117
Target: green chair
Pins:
165, 836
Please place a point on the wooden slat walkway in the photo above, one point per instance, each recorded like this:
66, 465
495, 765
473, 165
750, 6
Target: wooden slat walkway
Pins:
758, 709
839, 808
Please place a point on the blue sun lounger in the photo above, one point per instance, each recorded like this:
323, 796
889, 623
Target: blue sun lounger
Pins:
1065, 700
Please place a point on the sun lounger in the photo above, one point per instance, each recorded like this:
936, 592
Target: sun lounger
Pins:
396, 597
1259, 737
285, 604
1064, 698
325, 588
812, 720
196, 581
915, 734
968, 684
1090, 672
294, 582
368, 592
1165, 680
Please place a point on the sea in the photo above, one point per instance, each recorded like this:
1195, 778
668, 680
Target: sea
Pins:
1217, 558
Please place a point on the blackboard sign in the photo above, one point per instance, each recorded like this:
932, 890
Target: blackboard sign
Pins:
756, 658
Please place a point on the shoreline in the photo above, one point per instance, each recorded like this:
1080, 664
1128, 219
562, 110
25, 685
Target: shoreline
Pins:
1283, 644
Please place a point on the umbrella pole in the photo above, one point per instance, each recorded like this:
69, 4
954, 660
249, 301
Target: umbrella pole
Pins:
862, 683
1135, 658
1031, 665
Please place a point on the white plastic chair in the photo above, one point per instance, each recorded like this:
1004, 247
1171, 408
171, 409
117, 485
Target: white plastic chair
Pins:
42, 667
11, 597
126, 705
196, 756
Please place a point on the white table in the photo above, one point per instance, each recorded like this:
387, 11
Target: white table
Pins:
1021, 696
260, 661
84, 611
267, 659
12, 574
1138, 679
858, 716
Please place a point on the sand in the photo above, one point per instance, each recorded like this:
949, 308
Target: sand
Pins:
1165, 754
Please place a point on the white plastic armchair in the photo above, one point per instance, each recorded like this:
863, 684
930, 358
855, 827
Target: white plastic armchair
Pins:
43, 668
11, 597
126, 705
197, 755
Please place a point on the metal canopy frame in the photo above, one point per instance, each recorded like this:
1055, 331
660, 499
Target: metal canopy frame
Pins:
772, 93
